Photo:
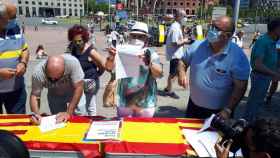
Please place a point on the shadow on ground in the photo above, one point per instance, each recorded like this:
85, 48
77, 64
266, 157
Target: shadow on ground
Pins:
169, 111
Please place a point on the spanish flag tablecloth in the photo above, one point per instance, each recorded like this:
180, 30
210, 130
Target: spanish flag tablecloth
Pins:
158, 136
69, 138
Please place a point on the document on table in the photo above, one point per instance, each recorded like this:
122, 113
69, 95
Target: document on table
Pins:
103, 130
48, 123
207, 123
128, 61
203, 142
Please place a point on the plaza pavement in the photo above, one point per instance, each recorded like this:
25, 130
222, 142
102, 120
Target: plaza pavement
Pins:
54, 40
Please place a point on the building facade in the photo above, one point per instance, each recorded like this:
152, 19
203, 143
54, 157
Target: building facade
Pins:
50, 8
168, 6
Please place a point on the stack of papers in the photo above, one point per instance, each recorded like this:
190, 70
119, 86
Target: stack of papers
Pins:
203, 141
128, 61
103, 130
49, 123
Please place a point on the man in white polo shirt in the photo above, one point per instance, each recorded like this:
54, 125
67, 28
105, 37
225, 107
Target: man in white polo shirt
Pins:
175, 49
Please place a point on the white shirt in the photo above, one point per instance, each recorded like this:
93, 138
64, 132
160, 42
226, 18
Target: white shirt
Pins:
174, 35
238, 41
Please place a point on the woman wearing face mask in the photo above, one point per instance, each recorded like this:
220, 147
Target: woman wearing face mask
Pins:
137, 95
91, 62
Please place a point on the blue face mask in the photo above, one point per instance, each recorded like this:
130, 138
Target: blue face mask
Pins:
11, 24
213, 35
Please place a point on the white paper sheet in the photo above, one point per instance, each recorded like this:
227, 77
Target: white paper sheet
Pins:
128, 61
203, 142
207, 123
48, 123
103, 130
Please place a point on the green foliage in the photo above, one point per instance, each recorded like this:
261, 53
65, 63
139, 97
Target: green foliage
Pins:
93, 7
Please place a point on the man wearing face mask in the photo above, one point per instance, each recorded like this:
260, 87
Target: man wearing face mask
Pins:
13, 63
264, 68
175, 42
12, 27
219, 72
137, 95
63, 76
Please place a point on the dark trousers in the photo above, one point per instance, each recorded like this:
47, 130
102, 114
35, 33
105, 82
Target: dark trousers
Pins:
14, 102
194, 111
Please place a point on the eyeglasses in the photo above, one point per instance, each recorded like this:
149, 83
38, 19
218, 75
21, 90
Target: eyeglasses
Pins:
214, 27
138, 36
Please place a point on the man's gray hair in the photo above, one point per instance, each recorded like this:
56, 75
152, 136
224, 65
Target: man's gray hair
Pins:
3, 9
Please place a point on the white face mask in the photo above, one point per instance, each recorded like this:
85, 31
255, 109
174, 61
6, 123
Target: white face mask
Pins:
184, 21
137, 42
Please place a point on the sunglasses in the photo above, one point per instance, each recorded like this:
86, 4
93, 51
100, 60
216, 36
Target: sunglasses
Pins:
214, 27
138, 36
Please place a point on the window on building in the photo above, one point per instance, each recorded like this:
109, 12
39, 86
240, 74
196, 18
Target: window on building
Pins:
64, 4
187, 12
193, 12
168, 3
199, 4
46, 3
52, 4
175, 3
40, 3
58, 4
181, 3
76, 12
33, 3
70, 5
27, 11
20, 10
26, 2
34, 11
19, 2
64, 11
81, 5
81, 12
193, 4
70, 12
75, 5
188, 4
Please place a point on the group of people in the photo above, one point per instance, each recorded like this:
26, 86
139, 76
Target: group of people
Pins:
219, 73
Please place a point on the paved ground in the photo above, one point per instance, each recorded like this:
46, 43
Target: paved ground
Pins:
54, 40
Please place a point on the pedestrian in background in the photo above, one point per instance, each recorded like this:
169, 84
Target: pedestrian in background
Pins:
175, 42
264, 59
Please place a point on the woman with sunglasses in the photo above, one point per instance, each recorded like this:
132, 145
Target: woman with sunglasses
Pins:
91, 62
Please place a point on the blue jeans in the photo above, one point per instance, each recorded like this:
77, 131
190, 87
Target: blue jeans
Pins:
14, 102
259, 86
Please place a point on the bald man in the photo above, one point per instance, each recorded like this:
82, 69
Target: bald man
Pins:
63, 76
219, 72
12, 27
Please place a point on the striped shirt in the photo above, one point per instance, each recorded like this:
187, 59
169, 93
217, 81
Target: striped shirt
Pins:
11, 48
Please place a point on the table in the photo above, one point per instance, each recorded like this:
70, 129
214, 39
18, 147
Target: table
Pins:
140, 137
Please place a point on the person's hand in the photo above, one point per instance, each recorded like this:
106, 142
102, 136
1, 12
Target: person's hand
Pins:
222, 149
186, 41
62, 117
20, 70
7, 73
182, 79
224, 114
112, 51
144, 58
36, 119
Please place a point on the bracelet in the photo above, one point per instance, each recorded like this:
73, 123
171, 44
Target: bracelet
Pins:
228, 110
24, 63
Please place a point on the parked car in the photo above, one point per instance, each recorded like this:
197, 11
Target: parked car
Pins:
49, 22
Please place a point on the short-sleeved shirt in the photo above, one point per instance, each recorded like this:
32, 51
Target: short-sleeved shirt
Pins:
11, 48
174, 35
265, 48
212, 75
73, 73
142, 90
